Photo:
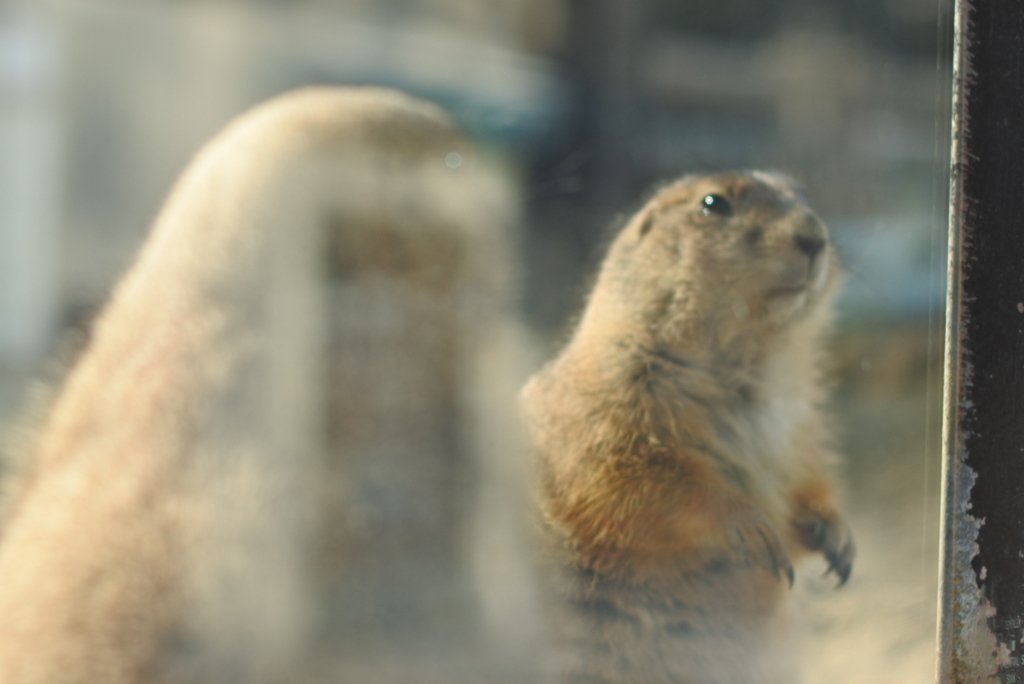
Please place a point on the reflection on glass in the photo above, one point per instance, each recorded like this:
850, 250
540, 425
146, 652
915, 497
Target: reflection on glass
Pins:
589, 107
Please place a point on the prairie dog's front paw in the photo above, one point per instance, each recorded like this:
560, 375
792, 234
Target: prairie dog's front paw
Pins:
831, 536
762, 544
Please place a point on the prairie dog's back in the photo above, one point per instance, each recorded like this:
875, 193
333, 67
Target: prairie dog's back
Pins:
172, 526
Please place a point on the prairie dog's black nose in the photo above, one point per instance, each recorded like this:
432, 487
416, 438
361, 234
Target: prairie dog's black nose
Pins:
810, 245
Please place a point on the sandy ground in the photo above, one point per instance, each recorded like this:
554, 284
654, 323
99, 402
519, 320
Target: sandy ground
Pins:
880, 627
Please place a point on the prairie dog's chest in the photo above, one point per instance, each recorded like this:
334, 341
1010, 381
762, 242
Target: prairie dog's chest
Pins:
767, 425
765, 431
760, 436
758, 449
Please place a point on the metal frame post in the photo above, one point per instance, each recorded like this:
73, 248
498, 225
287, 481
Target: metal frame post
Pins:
982, 584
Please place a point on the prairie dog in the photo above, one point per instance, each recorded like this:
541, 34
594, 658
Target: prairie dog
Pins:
683, 454
166, 525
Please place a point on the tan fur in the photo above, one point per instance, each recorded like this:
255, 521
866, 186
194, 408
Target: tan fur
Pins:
167, 528
684, 456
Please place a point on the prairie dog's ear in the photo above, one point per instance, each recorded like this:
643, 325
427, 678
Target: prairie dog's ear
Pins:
783, 182
643, 221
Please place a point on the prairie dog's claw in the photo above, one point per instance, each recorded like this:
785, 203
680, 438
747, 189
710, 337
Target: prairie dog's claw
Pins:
841, 561
771, 552
781, 565
833, 538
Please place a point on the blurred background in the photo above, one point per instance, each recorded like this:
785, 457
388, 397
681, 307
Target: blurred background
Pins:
589, 105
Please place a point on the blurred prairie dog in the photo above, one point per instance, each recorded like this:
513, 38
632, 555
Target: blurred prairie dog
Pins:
161, 532
683, 454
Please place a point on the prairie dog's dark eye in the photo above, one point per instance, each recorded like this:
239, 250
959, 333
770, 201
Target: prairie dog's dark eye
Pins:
715, 204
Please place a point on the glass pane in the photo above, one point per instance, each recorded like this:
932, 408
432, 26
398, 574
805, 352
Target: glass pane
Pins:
414, 548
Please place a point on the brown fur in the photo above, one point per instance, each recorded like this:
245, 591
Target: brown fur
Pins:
167, 527
684, 455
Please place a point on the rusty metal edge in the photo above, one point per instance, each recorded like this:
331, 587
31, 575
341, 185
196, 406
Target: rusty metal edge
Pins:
965, 643
951, 383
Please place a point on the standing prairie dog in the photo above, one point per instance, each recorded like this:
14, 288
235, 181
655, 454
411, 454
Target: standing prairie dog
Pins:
683, 453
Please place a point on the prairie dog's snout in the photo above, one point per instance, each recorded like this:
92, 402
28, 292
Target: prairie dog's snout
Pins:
802, 259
